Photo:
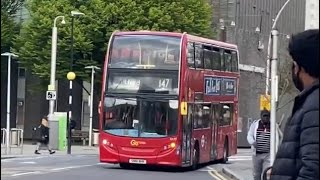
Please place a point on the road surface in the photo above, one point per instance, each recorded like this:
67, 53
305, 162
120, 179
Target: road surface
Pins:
87, 167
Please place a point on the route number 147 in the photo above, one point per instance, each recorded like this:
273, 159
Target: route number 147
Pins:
164, 83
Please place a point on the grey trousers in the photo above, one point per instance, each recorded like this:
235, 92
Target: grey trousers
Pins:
260, 163
40, 146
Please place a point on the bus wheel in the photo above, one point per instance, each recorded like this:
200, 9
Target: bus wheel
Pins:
195, 157
225, 152
125, 165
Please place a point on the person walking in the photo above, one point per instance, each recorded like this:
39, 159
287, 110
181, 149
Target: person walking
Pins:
43, 136
259, 139
298, 155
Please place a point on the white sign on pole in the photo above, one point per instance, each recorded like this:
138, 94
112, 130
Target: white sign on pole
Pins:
51, 95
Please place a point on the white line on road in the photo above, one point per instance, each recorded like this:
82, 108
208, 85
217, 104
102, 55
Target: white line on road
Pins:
21, 158
72, 167
28, 162
26, 173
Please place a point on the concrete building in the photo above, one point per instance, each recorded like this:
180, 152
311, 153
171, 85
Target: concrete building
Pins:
253, 20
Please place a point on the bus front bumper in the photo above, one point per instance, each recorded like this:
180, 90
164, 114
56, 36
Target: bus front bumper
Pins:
168, 157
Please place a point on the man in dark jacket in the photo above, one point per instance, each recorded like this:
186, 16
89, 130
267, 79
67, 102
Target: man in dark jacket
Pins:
43, 136
298, 155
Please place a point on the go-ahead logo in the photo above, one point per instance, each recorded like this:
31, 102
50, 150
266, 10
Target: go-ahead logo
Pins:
136, 143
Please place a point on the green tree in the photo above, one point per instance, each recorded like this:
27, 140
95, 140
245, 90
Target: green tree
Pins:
8, 27
92, 31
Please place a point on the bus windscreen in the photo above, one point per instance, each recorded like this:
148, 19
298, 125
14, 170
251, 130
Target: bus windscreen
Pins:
136, 117
145, 52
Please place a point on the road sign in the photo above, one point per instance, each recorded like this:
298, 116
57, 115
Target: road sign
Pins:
51, 95
265, 102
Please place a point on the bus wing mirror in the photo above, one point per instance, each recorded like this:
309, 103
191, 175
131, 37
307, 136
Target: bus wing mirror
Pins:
183, 108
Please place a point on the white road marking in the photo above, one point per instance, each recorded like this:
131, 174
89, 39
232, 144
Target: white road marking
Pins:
21, 158
26, 173
28, 162
72, 167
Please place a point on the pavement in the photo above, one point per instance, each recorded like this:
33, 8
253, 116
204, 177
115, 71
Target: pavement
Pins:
239, 166
83, 163
28, 150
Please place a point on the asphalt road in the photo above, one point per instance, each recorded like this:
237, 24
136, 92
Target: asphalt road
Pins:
86, 167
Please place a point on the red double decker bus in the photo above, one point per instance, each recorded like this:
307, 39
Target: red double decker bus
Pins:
168, 99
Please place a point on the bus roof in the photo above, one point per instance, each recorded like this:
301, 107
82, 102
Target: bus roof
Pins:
176, 34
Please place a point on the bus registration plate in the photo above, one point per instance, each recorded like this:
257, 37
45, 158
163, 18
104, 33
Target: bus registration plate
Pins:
137, 161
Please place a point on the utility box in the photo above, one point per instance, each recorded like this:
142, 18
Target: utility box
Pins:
58, 130
95, 136
62, 116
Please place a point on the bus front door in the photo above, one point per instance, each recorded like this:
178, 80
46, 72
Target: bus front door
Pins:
186, 140
214, 126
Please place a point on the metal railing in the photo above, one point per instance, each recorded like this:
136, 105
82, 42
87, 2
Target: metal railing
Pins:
16, 140
3, 137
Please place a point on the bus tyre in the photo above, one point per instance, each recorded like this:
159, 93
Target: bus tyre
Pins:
195, 157
225, 152
125, 165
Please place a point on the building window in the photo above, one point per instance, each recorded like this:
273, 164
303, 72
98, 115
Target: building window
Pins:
21, 72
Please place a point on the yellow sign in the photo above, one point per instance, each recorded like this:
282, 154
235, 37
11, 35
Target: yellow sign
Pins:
50, 88
265, 102
184, 108
136, 143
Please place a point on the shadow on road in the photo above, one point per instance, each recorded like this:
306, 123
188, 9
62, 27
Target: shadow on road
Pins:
157, 168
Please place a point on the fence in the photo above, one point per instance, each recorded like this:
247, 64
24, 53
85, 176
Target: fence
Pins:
15, 140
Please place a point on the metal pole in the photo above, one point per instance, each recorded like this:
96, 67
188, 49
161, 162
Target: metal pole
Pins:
53, 69
53, 63
274, 96
70, 91
91, 106
269, 46
91, 101
8, 106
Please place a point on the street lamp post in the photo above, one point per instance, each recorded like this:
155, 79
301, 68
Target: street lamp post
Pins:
269, 45
93, 68
71, 76
53, 63
273, 41
9, 55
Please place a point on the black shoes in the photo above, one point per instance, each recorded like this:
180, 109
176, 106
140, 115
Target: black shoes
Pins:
37, 152
50, 151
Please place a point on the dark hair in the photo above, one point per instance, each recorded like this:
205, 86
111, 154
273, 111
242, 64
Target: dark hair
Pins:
265, 112
304, 49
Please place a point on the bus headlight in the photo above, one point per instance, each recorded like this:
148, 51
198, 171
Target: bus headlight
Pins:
107, 143
104, 142
170, 146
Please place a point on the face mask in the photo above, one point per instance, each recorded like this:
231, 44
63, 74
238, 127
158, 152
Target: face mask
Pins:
296, 80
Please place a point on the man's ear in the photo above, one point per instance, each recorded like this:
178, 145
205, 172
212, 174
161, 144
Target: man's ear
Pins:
295, 67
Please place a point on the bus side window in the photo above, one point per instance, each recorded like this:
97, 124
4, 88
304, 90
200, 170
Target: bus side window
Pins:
218, 114
206, 115
234, 61
227, 60
190, 55
207, 57
222, 61
216, 62
199, 56
227, 114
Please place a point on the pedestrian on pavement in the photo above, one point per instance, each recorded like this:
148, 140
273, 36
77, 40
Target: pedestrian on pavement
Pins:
298, 155
259, 139
43, 136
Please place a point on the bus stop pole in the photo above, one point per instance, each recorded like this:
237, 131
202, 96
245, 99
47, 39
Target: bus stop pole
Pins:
274, 96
